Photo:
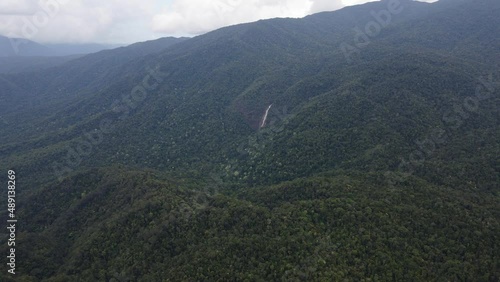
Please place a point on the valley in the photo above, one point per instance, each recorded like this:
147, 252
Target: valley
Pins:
261, 152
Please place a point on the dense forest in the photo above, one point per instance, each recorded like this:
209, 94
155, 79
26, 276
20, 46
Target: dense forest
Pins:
154, 162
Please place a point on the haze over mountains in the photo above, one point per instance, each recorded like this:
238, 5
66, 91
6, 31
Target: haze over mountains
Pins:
23, 55
378, 158
16, 47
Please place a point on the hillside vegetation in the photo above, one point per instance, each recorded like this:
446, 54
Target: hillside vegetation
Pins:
149, 162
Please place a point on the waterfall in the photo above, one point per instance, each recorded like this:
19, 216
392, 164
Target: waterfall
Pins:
264, 119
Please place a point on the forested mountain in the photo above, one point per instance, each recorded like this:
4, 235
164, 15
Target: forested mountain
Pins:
22, 55
11, 47
20, 47
79, 49
360, 144
32, 64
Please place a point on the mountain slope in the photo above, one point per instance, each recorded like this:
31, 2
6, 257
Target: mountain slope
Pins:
31, 64
220, 84
25, 93
127, 225
17, 47
380, 166
11, 47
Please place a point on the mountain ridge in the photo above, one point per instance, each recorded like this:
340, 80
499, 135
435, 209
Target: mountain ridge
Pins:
251, 100
20, 47
378, 166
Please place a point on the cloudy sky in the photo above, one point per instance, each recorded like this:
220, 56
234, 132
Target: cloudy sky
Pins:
128, 21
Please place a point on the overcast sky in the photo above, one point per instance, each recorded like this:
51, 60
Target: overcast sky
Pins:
128, 21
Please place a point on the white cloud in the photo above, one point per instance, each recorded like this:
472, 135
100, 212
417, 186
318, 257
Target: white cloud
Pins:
192, 17
198, 16
118, 21
71, 20
326, 5
19, 7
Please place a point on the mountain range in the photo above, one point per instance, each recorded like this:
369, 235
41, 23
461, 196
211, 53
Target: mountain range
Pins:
19, 47
23, 55
360, 144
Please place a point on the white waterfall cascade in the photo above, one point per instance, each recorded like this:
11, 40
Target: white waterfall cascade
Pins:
264, 119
